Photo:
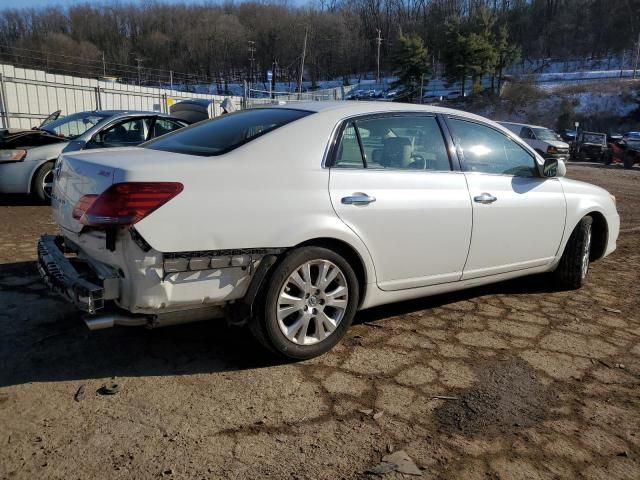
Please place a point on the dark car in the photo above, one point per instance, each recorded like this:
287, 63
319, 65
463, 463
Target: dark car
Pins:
567, 135
590, 146
625, 150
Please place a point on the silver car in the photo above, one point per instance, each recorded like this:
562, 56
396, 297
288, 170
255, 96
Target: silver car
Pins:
27, 156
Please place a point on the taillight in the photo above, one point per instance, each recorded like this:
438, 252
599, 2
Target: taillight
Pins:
124, 203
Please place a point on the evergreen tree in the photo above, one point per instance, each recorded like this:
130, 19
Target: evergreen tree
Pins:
507, 54
411, 63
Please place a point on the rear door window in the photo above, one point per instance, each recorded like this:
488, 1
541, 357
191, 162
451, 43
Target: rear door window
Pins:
225, 133
400, 142
131, 132
162, 126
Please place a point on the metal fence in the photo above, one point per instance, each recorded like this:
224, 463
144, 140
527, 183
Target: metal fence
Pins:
258, 97
29, 96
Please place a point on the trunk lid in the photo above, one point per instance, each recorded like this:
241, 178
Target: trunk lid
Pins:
75, 177
91, 172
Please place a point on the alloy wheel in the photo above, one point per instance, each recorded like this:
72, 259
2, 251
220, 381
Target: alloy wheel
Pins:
586, 253
47, 184
312, 302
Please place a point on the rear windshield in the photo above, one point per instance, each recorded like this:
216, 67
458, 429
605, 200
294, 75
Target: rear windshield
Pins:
220, 135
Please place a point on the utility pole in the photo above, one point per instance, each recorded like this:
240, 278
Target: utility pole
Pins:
635, 65
252, 50
304, 54
379, 42
171, 79
272, 84
139, 62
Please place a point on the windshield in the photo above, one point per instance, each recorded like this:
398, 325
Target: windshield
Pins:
74, 125
593, 138
223, 134
544, 134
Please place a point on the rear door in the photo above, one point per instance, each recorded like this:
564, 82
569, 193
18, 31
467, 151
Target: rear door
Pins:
162, 126
518, 216
392, 183
126, 133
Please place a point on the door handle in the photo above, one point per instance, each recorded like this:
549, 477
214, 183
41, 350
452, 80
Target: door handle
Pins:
358, 199
485, 198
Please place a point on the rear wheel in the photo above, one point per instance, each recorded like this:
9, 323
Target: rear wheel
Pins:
628, 160
43, 183
574, 264
308, 305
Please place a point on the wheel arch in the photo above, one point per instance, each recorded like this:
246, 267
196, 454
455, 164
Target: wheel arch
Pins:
349, 253
599, 235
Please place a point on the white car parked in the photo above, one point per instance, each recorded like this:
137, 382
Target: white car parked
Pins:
292, 218
541, 139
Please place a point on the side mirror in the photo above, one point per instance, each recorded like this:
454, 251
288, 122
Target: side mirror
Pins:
554, 168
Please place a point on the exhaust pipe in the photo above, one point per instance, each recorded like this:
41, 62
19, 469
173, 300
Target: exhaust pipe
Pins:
110, 320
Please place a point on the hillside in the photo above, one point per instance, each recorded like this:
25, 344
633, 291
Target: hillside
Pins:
612, 106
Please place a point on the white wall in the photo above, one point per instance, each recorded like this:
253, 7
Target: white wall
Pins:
28, 96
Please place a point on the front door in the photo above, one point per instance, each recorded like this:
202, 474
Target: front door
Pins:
391, 182
518, 216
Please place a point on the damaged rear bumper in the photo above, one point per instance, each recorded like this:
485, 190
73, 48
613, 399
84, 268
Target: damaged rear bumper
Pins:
87, 292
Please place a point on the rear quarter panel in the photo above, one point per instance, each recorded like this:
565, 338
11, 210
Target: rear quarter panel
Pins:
271, 192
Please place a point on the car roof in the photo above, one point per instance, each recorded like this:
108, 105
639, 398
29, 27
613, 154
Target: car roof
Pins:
523, 125
131, 112
363, 108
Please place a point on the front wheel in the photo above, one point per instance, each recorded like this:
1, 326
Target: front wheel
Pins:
574, 264
308, 305
43, 183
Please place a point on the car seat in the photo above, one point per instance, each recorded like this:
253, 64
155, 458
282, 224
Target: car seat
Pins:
396, 152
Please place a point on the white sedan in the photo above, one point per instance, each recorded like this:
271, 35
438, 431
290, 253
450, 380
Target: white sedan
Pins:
292, 218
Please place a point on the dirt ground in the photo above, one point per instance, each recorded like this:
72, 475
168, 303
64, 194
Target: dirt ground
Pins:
540, 384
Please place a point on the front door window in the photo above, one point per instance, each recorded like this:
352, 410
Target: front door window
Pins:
485, 150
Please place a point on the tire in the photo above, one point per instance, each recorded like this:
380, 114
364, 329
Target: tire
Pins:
628, 160
571, 272
315, 322
607, 158
43, 175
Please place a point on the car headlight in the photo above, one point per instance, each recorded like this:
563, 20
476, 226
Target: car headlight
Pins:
12, 155
552, 150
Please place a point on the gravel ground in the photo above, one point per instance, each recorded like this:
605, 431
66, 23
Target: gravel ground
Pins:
538, 384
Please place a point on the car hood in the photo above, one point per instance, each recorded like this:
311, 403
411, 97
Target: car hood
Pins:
557, 143
27, 138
